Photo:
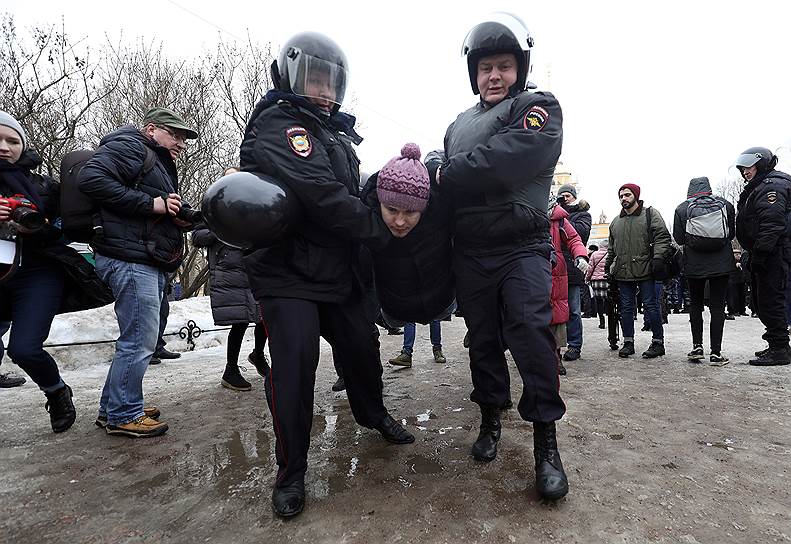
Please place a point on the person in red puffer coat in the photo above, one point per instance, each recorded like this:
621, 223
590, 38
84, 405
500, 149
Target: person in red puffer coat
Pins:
563, 234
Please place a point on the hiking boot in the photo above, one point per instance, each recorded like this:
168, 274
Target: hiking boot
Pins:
393, 432
762, 352
626, 350
150, 411
7, 381
288, 501
572, 354
165, 354
485, 447
717, 359
696, 355
232, 379
142, 427
339, 385
403, 359
438, 356
259, 361
656, 349
551, 481
61, 409
773, 357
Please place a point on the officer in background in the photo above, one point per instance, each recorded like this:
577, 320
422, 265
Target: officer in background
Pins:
501, 155
308, 284
761, 228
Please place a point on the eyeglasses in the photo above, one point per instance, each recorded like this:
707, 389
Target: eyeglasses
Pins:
178, 137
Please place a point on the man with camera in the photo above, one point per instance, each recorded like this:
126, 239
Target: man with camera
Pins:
143, 218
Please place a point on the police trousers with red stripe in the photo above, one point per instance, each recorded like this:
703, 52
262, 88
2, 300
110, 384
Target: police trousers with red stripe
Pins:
504, 297
294, 327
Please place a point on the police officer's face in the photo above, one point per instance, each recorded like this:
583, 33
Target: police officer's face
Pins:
398, 220
495, 75
748, 172
627, 198
319, 90
10, 144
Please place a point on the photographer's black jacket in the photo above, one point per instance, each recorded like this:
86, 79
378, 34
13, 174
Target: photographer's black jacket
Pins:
762, 215
500, 162
319, 260
132, 231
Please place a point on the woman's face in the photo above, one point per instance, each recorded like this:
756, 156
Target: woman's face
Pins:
10, 144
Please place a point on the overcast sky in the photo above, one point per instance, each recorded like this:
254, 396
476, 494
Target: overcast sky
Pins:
653, 93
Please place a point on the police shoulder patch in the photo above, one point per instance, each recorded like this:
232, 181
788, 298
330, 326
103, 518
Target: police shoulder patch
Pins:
536, 118
771, 197
299, 141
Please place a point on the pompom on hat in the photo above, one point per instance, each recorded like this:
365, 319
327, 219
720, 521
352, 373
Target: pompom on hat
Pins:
403, 182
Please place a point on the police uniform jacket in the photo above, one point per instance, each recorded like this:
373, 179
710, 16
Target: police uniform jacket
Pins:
414, 282
132, 232
288, 139
231, 299
704, 264
500, 162
762, 215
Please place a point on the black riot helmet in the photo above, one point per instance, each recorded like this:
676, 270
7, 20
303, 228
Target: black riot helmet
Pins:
761, 157
500, 33
312, 65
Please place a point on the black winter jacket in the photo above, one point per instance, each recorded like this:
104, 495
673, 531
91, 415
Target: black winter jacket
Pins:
231, 299
704, 264
319, 259
131, 230
580, 219
762, 218
414, 282
500, 162
83, 289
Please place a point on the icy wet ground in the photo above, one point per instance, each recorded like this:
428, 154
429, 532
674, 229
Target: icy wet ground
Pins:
656, 451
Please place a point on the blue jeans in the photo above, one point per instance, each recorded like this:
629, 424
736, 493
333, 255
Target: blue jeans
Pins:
627, 291
435, 332
574, 324
35, 295
658, 290
138, 295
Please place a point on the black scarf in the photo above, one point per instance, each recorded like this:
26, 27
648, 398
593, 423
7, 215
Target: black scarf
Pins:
17, 179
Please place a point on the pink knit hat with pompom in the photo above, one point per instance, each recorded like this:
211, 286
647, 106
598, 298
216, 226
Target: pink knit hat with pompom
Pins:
403, 182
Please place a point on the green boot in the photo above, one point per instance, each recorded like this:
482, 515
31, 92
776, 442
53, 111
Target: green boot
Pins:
403, 359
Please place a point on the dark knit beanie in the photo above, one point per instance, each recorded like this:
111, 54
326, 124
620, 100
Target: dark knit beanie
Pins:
568, 189
632, 187
403, 182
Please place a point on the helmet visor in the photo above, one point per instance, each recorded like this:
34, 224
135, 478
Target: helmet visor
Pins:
747, 160
315, 78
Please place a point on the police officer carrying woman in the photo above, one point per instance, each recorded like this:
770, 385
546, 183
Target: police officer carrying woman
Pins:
501, 155
39, 275
308, 283
762, 229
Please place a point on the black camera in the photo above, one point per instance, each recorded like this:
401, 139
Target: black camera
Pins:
189, 215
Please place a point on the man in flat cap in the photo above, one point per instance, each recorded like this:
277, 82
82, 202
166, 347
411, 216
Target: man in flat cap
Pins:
132, 178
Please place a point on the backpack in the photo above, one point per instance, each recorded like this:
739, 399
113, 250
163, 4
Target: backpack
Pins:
80, 218
707, 224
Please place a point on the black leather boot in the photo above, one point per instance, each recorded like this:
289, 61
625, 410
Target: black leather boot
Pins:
485, 447
551, 481
288, 501
61, 409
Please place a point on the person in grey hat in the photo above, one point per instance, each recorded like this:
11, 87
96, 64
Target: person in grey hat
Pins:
132, 177
580, 219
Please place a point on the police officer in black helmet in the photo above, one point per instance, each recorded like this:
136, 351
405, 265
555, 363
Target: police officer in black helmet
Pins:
762, 228
307, 284
501, 155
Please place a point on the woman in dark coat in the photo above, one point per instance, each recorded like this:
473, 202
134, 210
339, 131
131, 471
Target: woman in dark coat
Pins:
232, 303
39, 275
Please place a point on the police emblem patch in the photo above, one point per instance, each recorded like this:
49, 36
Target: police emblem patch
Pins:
299, 141
771, 197
536, 118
